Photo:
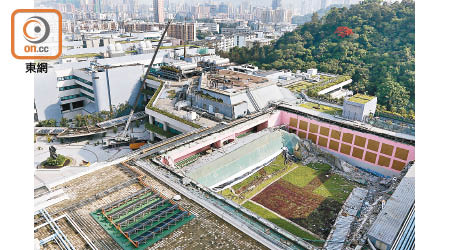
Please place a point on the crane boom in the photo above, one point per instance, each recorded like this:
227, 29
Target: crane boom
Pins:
145, 77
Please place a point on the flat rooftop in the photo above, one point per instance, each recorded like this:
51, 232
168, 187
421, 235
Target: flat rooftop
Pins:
229, 82
240, 79
360, 98
99, 188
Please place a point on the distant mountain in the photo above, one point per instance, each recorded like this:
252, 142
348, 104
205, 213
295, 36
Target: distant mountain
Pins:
321, 13
379, 56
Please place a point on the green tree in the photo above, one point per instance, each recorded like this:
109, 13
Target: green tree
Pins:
382, 47
47, 123
63, 122
392, 94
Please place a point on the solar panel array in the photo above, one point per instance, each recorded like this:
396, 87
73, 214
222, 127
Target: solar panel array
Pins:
144, 217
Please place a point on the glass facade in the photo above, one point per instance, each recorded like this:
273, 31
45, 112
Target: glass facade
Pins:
76, 86
70, 77
87, 89
69, 97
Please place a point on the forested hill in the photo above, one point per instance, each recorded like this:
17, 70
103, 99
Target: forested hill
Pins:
379, 55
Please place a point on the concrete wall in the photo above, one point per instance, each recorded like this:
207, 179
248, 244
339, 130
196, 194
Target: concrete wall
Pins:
217, 138
358, 111
177, 125
240, 110
362, 149
222, 108
124, 83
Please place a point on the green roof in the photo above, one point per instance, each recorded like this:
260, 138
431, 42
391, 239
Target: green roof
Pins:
360, 98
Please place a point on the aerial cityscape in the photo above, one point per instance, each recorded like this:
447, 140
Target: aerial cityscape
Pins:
231, 124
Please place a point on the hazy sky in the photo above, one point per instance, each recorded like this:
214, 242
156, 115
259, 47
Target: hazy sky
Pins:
252, 2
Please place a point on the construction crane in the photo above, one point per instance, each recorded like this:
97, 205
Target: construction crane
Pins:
124, 136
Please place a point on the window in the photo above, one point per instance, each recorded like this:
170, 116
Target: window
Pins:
69, 87
82, 80
78, 104
64, 98
87, 89
88, 97
65, 107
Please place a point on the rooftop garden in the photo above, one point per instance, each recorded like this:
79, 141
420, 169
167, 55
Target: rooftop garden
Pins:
178, 46
171, 93
315, 89
83, 55
209, 97
125, 41
303, 200
321, 108
170, 68
360, 98
297, 87
309, 196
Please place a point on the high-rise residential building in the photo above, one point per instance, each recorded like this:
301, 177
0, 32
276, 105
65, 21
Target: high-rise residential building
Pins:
158, 9
276, 4
223, 8
97, 6
183, 31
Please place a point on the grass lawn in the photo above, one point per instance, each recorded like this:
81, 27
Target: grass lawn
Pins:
303, 175
337, 188
276, 166
310, 196
321, 108
275, 219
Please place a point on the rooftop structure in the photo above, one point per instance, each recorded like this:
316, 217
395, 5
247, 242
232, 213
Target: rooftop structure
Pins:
359, 107
235, 94
360, 98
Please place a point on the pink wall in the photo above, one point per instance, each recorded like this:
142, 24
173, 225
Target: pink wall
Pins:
394, 162
217, 141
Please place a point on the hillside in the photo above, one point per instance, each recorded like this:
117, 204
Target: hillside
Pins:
379, 55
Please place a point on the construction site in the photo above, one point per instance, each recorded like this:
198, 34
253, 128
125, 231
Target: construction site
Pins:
229, 161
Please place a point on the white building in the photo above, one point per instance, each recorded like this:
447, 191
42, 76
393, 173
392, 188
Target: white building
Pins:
89, 86
359, 106
211, 27
240, 40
